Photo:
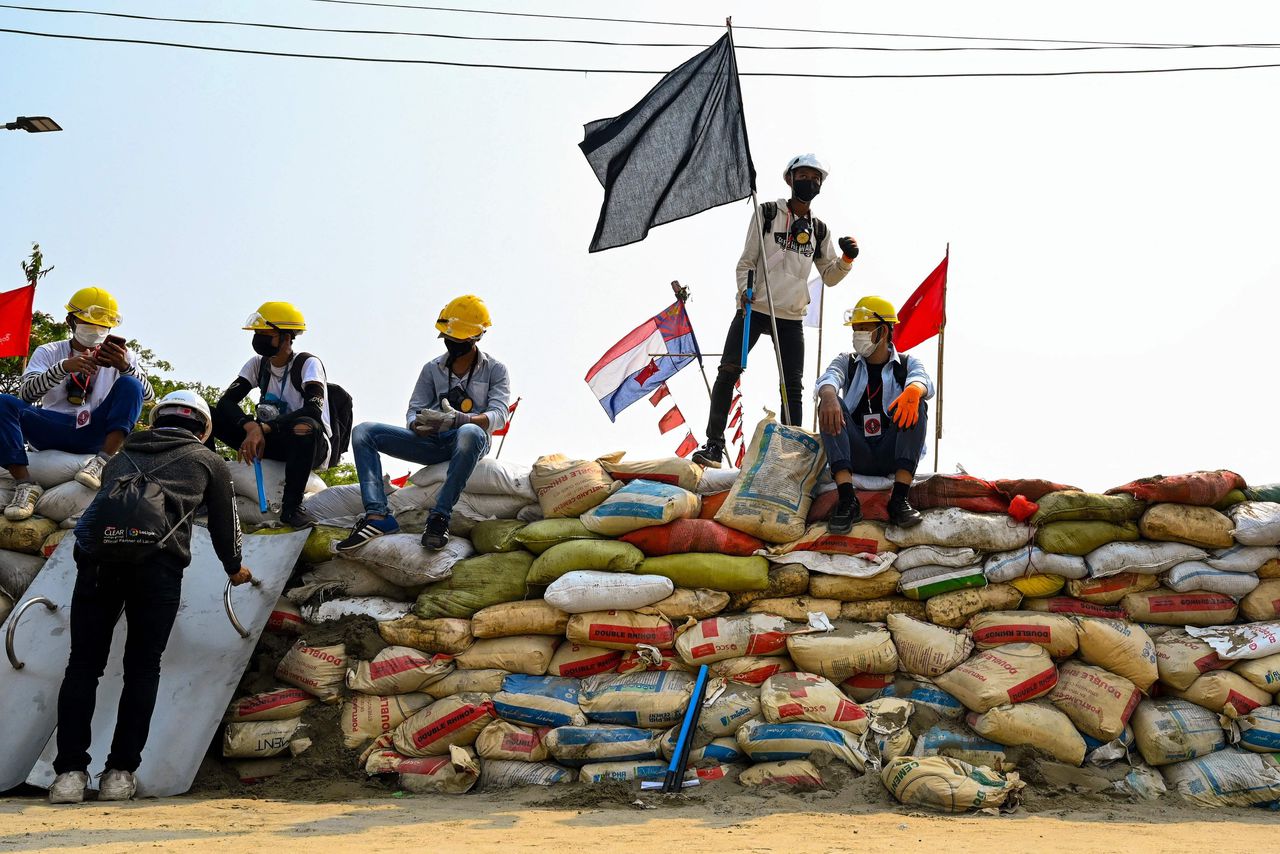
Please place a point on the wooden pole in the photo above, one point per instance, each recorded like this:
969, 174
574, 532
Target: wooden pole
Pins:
822, 304
942, 338
510, 418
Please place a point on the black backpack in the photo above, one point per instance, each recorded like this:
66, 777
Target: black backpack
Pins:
131, 520
341, 406
769, 211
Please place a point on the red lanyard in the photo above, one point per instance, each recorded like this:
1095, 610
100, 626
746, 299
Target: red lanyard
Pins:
872, 394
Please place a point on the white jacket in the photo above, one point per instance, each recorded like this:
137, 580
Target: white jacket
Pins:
789, 266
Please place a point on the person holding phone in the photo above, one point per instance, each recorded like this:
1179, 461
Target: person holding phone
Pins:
82, 395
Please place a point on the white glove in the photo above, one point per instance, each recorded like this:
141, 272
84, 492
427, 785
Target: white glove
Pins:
432, 421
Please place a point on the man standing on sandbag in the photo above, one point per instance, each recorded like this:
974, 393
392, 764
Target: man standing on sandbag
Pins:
794, 242
132, 545
291, 420
81, 395
459, 400
862, 433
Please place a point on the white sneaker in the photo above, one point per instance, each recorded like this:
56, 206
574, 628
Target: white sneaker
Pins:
69, 788
90, 473
117, 786
25, 497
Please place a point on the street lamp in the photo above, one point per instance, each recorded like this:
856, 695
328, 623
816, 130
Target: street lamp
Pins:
33, 124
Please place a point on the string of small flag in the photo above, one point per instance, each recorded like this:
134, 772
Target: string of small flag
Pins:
672, 419
736, 421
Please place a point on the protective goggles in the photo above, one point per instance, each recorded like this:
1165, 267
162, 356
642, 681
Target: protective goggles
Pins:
861, 315
259, 323
98, 315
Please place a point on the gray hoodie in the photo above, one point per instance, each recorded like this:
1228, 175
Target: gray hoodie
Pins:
199, 477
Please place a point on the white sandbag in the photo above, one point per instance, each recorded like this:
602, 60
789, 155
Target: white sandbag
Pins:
17, 571
251, 515
1198, 575
65, 501
925, 649
50, 468
1246, 641
1142, 558
490, 477
587, 590
847, 566
1242, 558
378, 608
1032, 560
337, 505
716, 480
772, 494
1257, 523
950, 526
950, 556
1228, 778
342, 577
478, 507
245, 482
1169, 730
401, 559
719, 638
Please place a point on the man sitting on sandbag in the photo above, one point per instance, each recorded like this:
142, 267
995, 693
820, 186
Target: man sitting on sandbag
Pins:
81, 395
459, 400
864, 435
132, 545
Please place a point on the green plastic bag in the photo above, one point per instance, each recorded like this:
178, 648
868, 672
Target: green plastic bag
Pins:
716, 572
537, 537
1076, 506
476, 583
1080, 538
496, 535
603, 555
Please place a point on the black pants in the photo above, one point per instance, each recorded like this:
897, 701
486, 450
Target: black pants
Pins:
148, 593
894, 450
300, 454
790, 344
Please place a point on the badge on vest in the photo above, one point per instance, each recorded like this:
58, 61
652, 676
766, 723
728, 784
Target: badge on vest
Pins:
83, 416
871, 426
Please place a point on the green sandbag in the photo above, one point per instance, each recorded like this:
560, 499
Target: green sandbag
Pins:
1080, 538
1073, 506
717, 572
537, 537
496, 536
320, 543
476, 583
603, 555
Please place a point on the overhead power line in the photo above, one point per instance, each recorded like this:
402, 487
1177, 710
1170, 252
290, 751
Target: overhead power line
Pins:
601, 42
503, 13
511, 67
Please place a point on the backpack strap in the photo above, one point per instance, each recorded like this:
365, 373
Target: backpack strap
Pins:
768, 213
188, 452
820, 233
295, 370
900, 370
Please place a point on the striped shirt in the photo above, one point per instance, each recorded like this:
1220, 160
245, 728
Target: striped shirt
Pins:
45, 380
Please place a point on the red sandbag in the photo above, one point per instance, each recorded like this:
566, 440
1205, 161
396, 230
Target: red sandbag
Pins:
685, 536
711, 504
875, 506
1033, 488
1202, 488
959, 490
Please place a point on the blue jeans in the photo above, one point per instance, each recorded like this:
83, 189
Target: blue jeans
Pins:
895, 449
463, 448
22, 422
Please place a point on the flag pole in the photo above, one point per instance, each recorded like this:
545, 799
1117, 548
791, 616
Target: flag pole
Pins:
822, 304
510, 418
682, 296
942, 337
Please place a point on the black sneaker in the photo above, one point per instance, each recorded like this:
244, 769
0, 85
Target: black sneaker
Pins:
295, 518
710, 454
436, 536
845, 516
365, 530
902, 514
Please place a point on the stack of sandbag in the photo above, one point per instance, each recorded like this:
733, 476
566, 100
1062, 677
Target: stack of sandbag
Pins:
495, 490
245, 483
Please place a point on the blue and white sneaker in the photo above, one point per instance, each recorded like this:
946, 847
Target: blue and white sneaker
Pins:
367, 529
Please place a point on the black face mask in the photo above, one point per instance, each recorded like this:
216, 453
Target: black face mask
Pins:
458, 349
805, 189
264, 346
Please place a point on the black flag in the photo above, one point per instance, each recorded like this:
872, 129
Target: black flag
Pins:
681, 150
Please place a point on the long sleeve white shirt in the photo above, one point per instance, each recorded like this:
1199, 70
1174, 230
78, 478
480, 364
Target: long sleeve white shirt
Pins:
789, 266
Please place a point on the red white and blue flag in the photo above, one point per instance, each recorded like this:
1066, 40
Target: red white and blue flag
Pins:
641, 362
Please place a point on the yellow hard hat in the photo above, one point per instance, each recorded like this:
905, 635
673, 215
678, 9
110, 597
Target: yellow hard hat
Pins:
96, 306
871, 310
464, 317
276, 316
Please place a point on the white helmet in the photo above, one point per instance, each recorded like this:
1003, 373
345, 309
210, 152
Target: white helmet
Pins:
810, 160
187, 404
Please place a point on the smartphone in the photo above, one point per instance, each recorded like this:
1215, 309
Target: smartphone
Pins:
110, 339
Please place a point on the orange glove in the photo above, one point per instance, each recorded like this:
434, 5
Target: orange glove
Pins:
905, 408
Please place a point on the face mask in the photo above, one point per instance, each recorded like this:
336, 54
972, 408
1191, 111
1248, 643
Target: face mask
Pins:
804, 189
458, 349
264, 346
89, 336
864, 343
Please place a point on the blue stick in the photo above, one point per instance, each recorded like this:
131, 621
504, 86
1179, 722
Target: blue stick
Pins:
680, 757
262, 488
746, 317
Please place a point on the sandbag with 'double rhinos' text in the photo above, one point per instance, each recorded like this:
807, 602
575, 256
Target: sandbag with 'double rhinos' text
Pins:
1013, 673
318, 670
1099, 703
453, 721
568, 487
398, 670
771, 497
366, 716
625, 630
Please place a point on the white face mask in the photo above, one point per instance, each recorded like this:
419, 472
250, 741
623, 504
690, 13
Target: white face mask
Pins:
864, 343
89, 336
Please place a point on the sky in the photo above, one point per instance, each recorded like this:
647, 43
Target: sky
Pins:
1112, 302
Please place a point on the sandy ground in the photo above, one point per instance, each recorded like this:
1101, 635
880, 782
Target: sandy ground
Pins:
572, 820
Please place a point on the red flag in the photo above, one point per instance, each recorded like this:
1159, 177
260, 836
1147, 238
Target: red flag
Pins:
924, 314
742, 453
737, 398
688, 446
15, 321
670, 421
737, 437
659, 395
401, 482
737, 416
503, 430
